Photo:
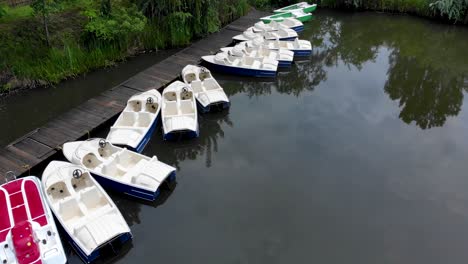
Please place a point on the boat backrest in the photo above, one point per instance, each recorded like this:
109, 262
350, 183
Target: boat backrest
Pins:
127, 158
126, 119
186, 107
69, 209
210, 84
170, 108
197, 86
144, 120
93, 199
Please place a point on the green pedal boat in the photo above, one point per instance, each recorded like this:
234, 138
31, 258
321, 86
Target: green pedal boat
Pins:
304, 6
297, 14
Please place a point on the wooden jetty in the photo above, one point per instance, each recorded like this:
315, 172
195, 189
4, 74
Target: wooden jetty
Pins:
38, 146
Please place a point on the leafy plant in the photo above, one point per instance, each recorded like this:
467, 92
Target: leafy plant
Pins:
43, 8
454, 9
2, 10
118, 24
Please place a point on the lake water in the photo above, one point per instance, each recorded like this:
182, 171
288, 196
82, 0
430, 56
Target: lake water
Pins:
358, 155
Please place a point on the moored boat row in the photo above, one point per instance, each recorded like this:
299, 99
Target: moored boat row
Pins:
268, 45
75, 191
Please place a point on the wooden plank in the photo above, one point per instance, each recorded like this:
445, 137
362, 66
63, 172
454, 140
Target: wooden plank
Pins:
51, 137
139, 82
154, 73
30, 147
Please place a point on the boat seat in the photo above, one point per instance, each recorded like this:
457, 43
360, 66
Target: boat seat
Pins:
210, 84
197, 86
125, 136
99, 230
93, 199
149, 173
70, 210
175, 123
235, 62
111, 169
256, 64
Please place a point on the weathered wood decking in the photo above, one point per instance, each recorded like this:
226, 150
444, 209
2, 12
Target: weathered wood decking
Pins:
39, 145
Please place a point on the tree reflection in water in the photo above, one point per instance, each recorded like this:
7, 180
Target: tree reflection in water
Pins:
425, 74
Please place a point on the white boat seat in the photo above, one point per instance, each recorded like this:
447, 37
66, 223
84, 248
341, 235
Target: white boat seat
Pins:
210, 84
197, 86
121, 135
93, 199
69, 210
176, 123
98, 231
149, 173
256, 64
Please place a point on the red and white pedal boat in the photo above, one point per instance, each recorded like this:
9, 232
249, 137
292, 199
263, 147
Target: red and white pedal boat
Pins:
28, 234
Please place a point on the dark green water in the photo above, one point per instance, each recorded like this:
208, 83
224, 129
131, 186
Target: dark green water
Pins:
358, 155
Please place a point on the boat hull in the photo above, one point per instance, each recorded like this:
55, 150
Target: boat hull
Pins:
236, 40
219, 106
96, 254
299, 53
308, 9
130, 190
280, 17
144, 141
284, 64
141, 146
298, 28
241, 71
181, 134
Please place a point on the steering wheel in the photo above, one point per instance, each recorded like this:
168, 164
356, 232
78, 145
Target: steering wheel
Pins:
149, 100
77, 173
102, 143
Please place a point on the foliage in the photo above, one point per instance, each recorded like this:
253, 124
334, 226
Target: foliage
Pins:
456, 10
118, 24
44, 7
2, 10
8, 14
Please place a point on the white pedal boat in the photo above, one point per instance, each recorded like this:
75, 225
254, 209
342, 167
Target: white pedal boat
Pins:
89, 216
120, 169
291, 23
300, 47
208, 92
281, 34
283, 56
137, 122
28, 234
179, 112
247, 66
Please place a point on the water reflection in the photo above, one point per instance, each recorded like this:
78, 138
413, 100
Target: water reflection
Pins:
211, 129
426, 96
426, 77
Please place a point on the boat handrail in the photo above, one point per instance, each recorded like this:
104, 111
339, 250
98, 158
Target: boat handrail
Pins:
8, 175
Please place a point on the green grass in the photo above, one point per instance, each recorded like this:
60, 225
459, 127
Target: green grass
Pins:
16, 13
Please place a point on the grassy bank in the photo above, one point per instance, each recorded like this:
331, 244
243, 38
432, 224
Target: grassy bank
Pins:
84, 36
454, 11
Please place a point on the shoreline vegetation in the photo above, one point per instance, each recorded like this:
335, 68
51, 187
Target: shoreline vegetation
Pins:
51, 40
